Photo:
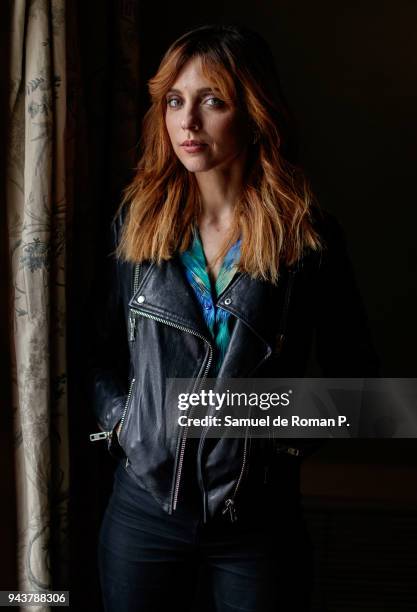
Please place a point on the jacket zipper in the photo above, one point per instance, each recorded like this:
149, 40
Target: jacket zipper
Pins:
107, 435
229, 504
129, 395
180, 455
132, 317
183, 441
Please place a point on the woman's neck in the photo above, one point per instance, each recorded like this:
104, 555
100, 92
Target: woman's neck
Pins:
219, 191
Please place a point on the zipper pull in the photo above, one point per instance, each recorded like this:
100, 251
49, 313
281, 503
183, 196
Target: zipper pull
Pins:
231, 508
100, 435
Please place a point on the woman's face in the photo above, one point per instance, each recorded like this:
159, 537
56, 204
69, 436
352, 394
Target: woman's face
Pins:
205, 131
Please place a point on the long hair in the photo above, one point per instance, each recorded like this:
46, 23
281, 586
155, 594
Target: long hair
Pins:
273, 214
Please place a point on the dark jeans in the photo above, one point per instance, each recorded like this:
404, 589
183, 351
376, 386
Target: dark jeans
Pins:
151, 561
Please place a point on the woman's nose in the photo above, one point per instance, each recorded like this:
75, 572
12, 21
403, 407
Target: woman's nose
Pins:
191, 121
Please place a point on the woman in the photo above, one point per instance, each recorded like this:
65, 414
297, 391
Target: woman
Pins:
224, 269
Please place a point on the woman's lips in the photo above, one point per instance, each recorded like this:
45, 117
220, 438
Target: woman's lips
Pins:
195, 148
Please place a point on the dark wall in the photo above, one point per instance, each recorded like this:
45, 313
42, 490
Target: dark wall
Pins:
349, 73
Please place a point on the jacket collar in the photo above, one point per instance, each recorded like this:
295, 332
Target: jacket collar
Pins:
165, 294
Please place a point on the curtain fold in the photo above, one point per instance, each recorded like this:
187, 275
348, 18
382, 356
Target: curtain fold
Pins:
37, 216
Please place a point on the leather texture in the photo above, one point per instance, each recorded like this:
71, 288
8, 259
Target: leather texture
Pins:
273, 337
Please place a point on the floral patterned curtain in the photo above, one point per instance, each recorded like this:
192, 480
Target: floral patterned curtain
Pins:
37, 214
73, 129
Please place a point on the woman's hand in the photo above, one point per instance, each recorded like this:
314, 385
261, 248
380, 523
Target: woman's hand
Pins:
117, 428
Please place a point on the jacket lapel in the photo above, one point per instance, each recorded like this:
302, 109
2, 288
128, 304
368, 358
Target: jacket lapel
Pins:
256, 305
165, 293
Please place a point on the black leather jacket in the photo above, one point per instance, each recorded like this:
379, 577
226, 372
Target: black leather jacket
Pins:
150, 328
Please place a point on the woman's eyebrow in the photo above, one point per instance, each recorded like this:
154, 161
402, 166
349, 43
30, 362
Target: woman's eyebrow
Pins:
202, 90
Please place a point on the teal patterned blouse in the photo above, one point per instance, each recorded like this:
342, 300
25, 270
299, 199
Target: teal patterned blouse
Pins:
218, 321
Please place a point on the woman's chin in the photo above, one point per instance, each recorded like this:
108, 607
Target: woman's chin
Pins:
196, 165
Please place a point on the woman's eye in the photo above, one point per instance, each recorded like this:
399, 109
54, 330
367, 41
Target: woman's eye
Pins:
212, 101
173, 102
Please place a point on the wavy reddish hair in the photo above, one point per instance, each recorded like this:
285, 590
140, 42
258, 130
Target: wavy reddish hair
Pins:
274, 212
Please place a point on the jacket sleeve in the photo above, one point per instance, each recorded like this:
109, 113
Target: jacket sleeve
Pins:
343, 342
344, 346
108, 356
